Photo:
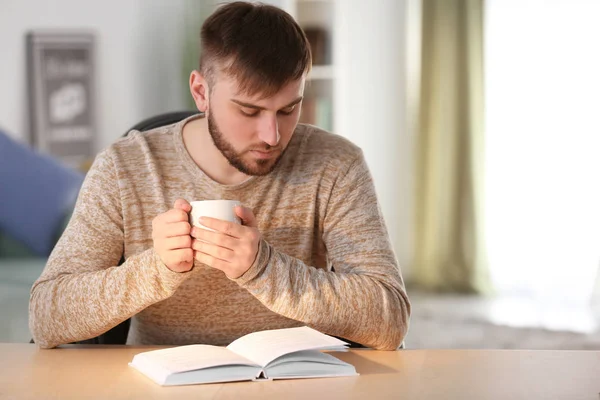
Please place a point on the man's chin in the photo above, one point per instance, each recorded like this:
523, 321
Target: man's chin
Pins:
260, 167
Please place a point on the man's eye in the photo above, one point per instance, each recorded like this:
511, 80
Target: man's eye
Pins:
249, 114
287, 111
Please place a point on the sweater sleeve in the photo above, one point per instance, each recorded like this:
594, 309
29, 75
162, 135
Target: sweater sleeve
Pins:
83, 292
363, 299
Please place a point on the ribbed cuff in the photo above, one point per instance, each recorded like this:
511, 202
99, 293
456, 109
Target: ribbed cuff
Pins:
262, 259
170, 280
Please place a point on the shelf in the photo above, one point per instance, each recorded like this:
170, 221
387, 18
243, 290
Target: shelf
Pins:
321, 72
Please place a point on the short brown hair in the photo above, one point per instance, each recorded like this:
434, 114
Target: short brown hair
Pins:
258, 44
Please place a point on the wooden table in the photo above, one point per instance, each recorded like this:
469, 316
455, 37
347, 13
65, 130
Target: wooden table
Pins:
75, 372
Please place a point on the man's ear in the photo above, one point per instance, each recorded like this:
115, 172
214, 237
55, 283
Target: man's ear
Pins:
199, 90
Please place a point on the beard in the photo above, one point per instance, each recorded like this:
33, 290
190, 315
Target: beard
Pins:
251, 167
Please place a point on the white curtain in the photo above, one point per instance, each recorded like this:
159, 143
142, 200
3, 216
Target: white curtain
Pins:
542, 99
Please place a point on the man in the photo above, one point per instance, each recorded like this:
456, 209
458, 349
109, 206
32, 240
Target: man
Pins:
312, 248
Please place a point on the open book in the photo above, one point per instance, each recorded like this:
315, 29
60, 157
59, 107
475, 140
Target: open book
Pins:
273, 354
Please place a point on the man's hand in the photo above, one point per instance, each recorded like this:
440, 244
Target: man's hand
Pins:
232, 248
171, 236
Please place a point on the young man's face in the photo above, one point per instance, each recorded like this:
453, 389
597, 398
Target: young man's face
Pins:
252, 133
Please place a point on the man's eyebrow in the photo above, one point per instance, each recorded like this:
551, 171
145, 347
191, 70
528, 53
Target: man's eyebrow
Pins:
255, 107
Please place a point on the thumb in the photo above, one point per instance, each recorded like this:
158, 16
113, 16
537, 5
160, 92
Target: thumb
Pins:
182, 204
246, 215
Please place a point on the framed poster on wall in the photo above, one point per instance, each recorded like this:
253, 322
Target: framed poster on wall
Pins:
61, 94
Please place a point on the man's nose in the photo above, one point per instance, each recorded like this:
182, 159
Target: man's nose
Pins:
269, 131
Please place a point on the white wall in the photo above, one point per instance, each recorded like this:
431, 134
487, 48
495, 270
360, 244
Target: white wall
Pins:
139, 52
370, 53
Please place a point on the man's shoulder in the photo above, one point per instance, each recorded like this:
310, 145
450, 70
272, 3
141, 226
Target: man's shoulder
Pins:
135, 153
320, 143
160, 134
139, 143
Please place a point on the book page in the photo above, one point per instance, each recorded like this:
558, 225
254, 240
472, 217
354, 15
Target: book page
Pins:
265, 346
308, 364
307, 356
186, 358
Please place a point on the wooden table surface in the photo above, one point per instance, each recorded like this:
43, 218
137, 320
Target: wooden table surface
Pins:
76, 372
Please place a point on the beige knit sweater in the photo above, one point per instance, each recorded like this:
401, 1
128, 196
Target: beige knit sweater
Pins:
317, 212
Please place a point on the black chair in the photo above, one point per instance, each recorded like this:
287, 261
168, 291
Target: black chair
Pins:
160, 120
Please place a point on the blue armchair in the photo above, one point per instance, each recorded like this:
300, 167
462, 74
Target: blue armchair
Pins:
37, 195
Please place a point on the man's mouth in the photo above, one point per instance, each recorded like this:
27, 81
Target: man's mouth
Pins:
263, 154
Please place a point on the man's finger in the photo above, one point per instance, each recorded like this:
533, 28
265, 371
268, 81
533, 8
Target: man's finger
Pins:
226, 227
217, 252
178, 242
212, 262
177, 229
175, 215
214, 237
182, 204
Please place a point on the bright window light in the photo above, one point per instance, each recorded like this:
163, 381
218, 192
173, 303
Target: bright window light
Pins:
542, 63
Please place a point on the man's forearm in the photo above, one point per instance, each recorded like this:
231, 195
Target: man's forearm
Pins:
368, 308
78, 306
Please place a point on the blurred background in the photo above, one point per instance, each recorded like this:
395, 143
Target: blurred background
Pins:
478, 118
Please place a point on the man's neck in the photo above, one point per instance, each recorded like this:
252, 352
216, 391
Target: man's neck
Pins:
200, 146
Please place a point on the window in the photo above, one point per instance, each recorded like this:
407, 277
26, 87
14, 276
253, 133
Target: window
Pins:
543, 147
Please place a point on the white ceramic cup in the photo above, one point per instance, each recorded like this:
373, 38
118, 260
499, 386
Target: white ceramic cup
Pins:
219, 209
